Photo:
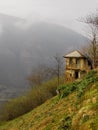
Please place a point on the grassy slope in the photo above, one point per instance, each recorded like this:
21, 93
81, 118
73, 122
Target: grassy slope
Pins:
57, 114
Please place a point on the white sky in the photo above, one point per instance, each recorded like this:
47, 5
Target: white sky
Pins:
63, 12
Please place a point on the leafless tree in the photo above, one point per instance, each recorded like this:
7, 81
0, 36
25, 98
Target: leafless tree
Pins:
92, 49
39, 75
43, 73
59, 66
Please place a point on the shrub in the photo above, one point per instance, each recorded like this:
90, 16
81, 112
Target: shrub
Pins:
78, 86
66, 89
66, 123
87, 80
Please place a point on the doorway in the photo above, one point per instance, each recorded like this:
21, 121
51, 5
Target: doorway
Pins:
76, 74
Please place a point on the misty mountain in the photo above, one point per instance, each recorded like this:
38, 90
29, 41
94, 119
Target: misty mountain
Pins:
24, 46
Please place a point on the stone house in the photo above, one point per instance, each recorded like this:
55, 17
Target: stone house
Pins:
77, 65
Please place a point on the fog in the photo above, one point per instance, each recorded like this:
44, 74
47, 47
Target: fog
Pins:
22, 48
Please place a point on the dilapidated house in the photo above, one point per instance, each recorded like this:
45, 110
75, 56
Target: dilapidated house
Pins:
77, 65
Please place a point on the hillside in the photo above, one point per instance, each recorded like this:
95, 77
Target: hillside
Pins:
75, 108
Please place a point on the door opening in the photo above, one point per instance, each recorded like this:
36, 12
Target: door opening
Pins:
76, 75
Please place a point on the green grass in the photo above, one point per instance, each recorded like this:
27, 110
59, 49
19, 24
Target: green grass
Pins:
70, 111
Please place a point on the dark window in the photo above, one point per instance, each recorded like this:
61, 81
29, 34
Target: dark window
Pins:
77, 61
70, 61
76, 75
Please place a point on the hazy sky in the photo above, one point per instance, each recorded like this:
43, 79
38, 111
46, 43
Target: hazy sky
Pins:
63, 12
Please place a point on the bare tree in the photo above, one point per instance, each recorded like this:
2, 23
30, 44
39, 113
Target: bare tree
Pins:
39, 75
44, 73
59, 67
92, 19
92, 50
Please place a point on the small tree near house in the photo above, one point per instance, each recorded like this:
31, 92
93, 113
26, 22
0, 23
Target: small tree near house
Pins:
59, 67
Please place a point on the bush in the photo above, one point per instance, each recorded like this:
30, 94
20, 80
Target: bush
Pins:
66, 123
91, 77
65, 90
78, 86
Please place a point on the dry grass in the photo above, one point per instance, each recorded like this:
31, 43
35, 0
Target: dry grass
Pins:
49, 116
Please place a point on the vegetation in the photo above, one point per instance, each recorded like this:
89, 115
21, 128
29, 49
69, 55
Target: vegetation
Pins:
67, 111
92, 50
78, 85
35, 97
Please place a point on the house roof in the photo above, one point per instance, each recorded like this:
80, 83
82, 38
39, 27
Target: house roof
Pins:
75, 53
